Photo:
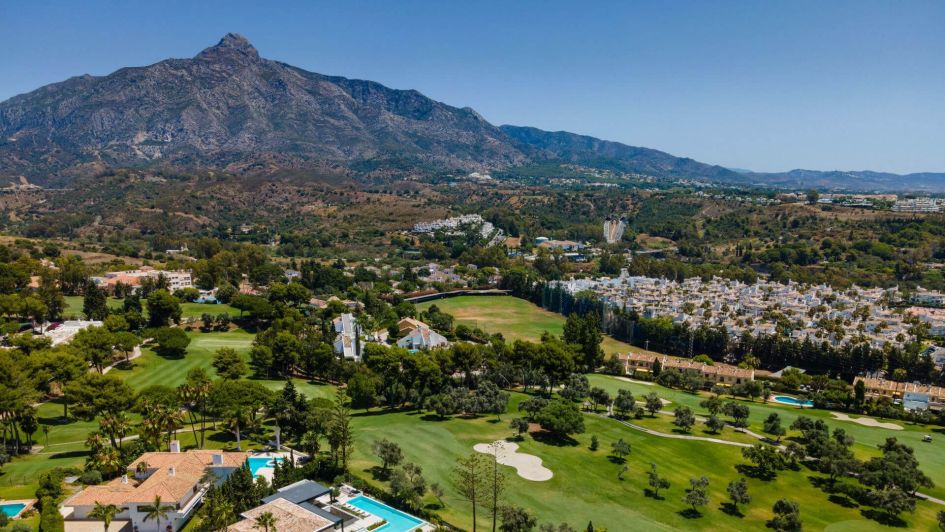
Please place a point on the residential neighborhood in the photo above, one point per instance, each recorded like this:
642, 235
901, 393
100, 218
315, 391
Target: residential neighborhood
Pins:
821, 313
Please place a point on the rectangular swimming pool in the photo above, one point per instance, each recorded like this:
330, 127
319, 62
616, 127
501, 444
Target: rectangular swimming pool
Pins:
397, 521
258, 462
12, 509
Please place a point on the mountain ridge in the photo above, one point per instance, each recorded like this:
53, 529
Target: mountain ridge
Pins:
229, 109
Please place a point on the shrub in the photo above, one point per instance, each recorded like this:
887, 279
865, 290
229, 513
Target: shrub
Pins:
90, 477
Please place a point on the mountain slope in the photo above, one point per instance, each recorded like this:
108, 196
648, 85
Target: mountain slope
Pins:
227, 107
862, 180
581, 149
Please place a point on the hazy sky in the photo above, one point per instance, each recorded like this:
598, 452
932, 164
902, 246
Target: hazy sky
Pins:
754, 84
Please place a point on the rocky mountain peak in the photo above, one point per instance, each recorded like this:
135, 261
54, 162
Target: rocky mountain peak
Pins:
231, 44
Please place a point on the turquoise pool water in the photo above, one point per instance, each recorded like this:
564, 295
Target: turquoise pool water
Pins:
12, 509
788, 400
397, 521
257, 462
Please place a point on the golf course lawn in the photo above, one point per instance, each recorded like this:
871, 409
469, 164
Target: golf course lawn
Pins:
66, 439
515, 318
151, 368
73, 308
585, 484
931, 456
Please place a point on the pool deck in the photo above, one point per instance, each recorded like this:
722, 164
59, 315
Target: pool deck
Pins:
269, 472
367, 519
777, 399
28, 504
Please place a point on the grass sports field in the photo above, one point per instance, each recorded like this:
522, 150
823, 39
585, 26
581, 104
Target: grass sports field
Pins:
515, 318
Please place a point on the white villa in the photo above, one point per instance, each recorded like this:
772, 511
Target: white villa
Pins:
349, 335
422, 337
174, 476
307, 506
176, 279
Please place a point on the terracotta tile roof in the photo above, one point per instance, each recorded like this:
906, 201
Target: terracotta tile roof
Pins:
899, 388
173, 477
687, 364
409, 324
289, 518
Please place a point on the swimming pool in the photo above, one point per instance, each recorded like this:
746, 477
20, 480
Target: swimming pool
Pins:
258, 462
12, 509
397, 521
793, 401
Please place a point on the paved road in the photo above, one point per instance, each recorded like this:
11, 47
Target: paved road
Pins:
673, 436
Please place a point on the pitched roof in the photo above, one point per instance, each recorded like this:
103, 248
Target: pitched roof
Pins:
289, 518
172, 476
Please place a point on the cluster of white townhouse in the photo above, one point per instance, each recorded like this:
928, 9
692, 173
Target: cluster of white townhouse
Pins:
924, 296
176, 279
934, 318
448, 223
350, 338
487, 232
920, 204
862, 315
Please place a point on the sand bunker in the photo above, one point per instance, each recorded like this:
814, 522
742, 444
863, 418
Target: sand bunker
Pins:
635, 381
528, 466
866, 421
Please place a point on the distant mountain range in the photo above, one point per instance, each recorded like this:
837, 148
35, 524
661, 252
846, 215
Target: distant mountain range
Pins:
863, 180
229, 109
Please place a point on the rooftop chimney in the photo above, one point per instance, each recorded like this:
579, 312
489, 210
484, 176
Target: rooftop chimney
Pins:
218, 459
124, 479
171, 471
175, 446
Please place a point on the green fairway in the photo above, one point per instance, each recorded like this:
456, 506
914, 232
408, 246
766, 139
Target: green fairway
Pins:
66, 443
151, 368
585, 486
515, 318
196, 310
930, 455
73, 308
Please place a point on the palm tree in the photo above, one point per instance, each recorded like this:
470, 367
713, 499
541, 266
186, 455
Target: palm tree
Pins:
157, 510
105, 512
194, 396
265, 522
238, 418
116, 426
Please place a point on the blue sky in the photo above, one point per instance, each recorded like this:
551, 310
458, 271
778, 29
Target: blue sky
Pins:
762, 85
